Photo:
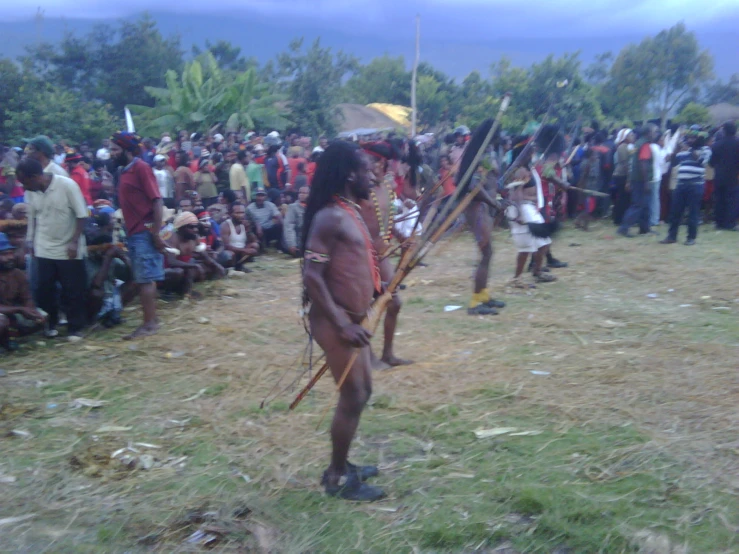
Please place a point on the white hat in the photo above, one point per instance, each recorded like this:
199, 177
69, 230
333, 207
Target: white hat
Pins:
103, 154
258, 148
318, 150
622, 134
159, 158
218, 137
274, 134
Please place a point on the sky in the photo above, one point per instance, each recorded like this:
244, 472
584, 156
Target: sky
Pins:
474, 18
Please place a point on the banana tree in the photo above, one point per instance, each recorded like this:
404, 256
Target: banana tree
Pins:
204, 96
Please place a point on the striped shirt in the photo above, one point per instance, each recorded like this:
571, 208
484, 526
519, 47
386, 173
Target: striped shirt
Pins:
691, 168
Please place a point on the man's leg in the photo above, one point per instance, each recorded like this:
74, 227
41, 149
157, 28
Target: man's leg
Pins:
46, 298
73, 278
4, 331
175, 280
391, 320
353, 396
654, 207
645, 210
520, 263
721, 207
676, 213
631, 217
148, 269
694, 197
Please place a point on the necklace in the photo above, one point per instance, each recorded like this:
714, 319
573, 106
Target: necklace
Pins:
353, 210
386, 232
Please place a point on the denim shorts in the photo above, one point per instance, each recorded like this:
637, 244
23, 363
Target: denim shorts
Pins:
147, 262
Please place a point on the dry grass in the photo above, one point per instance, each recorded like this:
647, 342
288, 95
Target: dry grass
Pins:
638, 417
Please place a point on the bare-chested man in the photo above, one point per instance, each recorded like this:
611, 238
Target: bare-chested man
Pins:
480, 219
238, 240
378, 213
340, 278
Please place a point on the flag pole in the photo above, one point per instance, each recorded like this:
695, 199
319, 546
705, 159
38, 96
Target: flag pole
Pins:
414, 108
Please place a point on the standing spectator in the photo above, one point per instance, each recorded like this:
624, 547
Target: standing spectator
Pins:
691, 178
255, 169
237, 177
294, 222
148, 151
79, 175
294, 162
622, 160
725, 160
266, 217
56, 219
41, 150
206, 183
165, 180
301, 177
641, 178
141, 204
184, 179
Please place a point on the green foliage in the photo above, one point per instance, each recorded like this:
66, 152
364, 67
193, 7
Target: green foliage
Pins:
693, 114
204, 96
52, 110
312, 79
11, 82
384, 79
110, 64
720, 92
227, 55
664, 70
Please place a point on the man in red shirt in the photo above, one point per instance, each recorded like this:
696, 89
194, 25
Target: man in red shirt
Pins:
141, 204
79, 175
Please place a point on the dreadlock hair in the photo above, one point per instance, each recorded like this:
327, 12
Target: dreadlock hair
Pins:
473, 146
551, 140
519, 145
333, 170
414, 160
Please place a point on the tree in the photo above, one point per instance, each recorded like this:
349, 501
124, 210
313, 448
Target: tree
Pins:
431, 100
628, 89
720, 92
597, 72
11, 82
227, 55
204, 96
678, 66
384, 79
312, 79
62, 114
693, 114
110, 64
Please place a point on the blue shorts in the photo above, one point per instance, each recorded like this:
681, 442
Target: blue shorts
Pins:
147, 262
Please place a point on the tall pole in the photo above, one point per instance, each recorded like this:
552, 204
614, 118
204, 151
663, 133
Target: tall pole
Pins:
414, 108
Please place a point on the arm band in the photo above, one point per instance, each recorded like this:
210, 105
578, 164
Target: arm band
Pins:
316, 257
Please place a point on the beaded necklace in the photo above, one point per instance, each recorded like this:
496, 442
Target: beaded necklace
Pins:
353, 209
386, 231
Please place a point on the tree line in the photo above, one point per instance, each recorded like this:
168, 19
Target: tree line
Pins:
76, 89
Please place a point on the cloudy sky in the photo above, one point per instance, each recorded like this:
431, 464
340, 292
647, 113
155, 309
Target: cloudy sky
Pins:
475, 18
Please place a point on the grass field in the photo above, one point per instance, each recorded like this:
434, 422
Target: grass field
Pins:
625, 441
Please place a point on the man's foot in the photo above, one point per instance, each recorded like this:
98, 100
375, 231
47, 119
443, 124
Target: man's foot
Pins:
378, 365
146, 330
518, 283
624, 233
554, 263
482, 309
545, 278
690, 242
363, 472
194, 295
668, 240
492, 303
51, 333
74, 337
351, 488
394, 361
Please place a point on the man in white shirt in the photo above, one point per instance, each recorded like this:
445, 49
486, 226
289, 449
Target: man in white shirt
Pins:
41, 149
59, 210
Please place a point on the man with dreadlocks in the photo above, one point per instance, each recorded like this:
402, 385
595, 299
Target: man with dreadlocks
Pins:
378, 212
480, 219
141, 204
341, 275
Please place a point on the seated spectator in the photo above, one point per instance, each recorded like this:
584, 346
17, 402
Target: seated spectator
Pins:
187, 263
238, 239
197, 201
16, 230
211, 239
185, 205
266, 218
294, 223
18, 314
109, 275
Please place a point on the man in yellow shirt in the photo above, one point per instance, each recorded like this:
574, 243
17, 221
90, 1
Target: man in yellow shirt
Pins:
237, 177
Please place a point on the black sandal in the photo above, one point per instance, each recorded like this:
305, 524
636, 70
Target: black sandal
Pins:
363, 472
351, 488
482, 309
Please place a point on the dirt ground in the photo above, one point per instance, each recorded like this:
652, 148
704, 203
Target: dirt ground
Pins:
609, 400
